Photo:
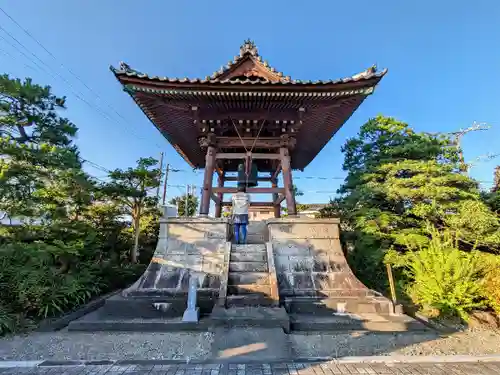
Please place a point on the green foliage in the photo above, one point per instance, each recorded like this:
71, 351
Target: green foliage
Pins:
490, 287
180, 202
492, 199
302, 207
332, 210
7, 320
75, 238
441, 277
296, 191
398, 181
131, 189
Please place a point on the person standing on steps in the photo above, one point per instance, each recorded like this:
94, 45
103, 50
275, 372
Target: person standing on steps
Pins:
241, 202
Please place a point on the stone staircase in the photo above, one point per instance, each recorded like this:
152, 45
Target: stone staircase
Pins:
248, 279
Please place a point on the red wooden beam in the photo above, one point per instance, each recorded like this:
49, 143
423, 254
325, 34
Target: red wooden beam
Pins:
235, 178
253, 204
242, 155
233, 190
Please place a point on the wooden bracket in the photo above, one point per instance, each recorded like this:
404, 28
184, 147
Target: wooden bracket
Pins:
215, 198
280, 199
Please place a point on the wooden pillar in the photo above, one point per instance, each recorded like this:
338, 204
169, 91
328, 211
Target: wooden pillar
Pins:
287, 181
277, 208
207, 180
218, 206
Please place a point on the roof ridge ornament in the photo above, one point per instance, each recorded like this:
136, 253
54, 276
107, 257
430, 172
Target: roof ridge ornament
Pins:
366, 73
249, 47
125, 68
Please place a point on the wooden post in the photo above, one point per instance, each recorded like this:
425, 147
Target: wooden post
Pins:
287, 181
277, 208
391, 284
207, 180
218, 206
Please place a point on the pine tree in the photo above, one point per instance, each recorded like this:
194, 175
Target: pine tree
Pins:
398, 181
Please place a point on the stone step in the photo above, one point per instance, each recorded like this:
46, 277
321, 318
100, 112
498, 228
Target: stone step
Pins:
327, 306
248, 267
248, 316
248, 300
249, 289
242, 278
362, 322
249, 248
249, 257
253, 239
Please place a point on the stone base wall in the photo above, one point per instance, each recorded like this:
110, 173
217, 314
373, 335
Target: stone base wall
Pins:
187, 247
309, 260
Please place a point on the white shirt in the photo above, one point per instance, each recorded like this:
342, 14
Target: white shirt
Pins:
241, 202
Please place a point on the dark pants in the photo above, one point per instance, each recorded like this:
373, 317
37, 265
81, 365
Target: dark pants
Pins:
240, 229
240, 223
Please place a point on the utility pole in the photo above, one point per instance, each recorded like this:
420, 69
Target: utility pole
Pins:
458, 138
168, 169
161, 172
187, 202
165, 185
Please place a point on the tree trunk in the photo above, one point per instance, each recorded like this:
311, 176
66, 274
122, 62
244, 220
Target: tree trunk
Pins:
137, 229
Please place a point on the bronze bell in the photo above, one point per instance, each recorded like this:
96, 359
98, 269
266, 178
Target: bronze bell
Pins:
242, 177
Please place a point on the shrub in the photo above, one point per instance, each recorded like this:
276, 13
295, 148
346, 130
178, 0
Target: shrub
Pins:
7, 320
441, 277
491, 284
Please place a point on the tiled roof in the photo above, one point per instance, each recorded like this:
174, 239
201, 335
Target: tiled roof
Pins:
247, 50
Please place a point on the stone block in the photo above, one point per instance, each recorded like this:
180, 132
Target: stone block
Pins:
249, 289
321, 263
200, 230
303, 281
168, 279
149, 277
194, 246
247, 267
257, 278
321, 246
210, 282
290, 248
282, 263
301, 263
212, 264
309, 230
249, 248
285, 283
249, 257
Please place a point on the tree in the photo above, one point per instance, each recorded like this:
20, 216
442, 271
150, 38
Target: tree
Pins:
180, 202
398, 180
297, 192
132, 188
40, 171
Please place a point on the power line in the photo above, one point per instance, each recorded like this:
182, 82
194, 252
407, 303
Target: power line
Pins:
54, 76
77, 94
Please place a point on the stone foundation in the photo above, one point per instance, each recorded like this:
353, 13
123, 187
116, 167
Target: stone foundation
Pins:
312, 271
187, 247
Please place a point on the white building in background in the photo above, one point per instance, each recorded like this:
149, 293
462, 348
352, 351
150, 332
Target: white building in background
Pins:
312, 210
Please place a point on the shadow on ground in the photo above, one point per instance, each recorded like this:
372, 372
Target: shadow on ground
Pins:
338, 335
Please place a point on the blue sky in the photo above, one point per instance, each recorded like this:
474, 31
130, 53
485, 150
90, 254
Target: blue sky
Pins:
443, 60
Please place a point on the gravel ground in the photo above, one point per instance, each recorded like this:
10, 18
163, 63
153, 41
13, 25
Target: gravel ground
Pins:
191, 346
473, 342
103, 345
